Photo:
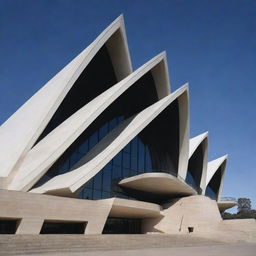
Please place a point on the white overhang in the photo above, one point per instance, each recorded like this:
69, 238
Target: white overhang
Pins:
161, 184
226, 204
126, 208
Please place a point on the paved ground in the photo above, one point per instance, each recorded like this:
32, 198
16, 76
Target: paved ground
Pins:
120, 245
206, 250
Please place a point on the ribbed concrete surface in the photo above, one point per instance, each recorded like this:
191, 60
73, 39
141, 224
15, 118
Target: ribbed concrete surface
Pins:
76, 244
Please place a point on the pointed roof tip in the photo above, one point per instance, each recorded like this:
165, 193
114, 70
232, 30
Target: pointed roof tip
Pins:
161, 55
204, 134
164, 53
224, 157
182, 89
119, 19
121, 16
185, 86
221, 159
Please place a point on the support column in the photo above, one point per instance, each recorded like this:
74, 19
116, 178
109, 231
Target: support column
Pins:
30, 226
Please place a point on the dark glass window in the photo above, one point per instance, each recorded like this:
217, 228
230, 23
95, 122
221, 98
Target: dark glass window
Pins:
84, 147
97, 184
213, 187
122, 226
118, 159
63, 227
126, 160
107, 178
210, 193
141, 157
148, 151
117, 172
8, 226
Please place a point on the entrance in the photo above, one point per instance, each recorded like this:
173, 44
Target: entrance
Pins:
50, 227
8, 226
122, 226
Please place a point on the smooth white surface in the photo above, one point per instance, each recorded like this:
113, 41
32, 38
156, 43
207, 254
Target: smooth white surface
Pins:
158, 184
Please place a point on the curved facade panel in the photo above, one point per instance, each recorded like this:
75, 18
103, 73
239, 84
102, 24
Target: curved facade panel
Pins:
198, 159
103, 131
215, 177
39, 159
28, 127
107, 148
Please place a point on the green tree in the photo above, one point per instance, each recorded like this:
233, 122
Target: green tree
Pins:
243, 205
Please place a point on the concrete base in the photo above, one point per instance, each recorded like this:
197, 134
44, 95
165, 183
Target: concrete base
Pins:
197, 212
202, 215
33, 209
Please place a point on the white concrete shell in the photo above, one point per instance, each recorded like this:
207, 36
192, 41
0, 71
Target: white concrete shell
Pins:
194, 143
161, 184
63, 136
68, 183
218, 164
226, 204
26, 155
40, 158
22, 129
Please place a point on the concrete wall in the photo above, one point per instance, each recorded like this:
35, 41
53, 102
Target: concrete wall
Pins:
33, 209
199, 212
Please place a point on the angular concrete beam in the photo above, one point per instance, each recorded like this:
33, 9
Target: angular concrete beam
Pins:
194, 143
212, 168
20, 132
68, 183
124, 208
183, 102
40, 158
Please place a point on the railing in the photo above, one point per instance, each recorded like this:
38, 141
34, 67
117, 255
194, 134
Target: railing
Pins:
231, 199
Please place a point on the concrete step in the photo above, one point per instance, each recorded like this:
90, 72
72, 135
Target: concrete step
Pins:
46, 244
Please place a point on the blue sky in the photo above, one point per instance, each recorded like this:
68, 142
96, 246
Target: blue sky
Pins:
210, 44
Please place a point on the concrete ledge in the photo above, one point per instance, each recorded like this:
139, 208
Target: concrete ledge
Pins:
159, 184
126, 208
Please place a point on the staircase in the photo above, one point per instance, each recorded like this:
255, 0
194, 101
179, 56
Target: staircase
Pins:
68, 244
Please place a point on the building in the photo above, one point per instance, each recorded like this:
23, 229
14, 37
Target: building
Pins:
105, 149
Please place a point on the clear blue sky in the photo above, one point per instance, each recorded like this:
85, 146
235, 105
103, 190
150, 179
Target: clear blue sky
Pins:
210, 44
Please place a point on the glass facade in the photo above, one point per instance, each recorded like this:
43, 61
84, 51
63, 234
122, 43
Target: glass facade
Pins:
195, 169
122, 226
155, 149
210, 193
134, 159
213, 187
191, 181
